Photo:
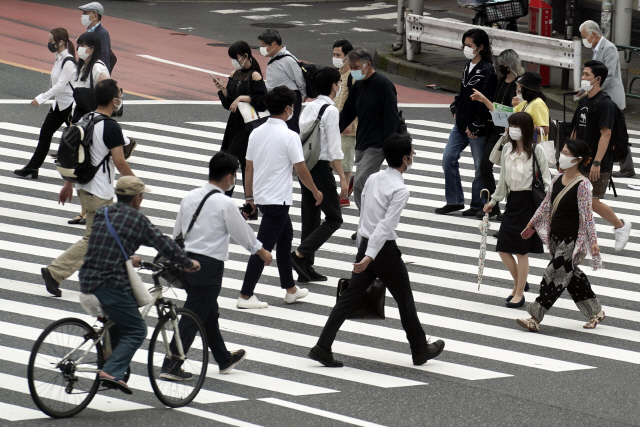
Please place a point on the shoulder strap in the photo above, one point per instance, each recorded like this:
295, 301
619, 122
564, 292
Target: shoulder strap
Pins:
322, 109
349, 81
279, 57
197, 213
556, 201
113, 233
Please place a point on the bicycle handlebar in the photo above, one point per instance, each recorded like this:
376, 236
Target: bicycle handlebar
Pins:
160, 266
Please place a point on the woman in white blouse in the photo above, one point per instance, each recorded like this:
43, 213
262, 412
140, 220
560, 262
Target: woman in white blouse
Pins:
64, 71
516, 179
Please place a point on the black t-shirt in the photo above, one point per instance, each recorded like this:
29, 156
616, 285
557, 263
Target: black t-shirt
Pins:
112, 134
505, 92
592, 115
566, 220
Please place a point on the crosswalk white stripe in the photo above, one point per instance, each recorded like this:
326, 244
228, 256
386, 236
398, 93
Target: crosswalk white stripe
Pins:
319, 412
216, 417
18, 413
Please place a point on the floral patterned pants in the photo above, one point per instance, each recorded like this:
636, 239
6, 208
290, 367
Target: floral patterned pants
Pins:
561, 274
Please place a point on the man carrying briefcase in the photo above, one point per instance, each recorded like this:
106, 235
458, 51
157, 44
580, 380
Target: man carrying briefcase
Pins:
383, 199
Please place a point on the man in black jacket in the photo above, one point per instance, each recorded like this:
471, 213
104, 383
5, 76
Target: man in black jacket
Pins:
471, 123
91, 18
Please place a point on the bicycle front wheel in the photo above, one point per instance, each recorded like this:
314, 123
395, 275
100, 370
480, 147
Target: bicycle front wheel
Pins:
175, 381
63, 368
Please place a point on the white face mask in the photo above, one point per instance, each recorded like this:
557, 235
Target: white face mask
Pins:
520, 98
587, 85
468, 52
86, 20
118, 107
566, 162
82, 52
290, 115
338, 62
233, 185
409, 165
515, 134
586, 43
237, 65
339, 89
264, 50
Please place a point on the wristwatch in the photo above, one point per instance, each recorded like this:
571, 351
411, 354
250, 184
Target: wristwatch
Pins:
596, 163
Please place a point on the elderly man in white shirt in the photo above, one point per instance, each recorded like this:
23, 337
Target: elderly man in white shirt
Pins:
383, 199
283, 70
314, 232
273, 152
206, 219
607, 53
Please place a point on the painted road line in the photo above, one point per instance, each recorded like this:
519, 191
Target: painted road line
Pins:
392, 15
215, 417
18, 413
319, 412
177, 64
372, 6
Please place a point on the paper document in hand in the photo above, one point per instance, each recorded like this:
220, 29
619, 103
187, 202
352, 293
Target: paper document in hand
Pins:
500, 119
499, 108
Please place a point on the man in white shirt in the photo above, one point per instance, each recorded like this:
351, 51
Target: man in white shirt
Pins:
107, 153
383, 199
273, 152
206, 219
283, 70
315, 233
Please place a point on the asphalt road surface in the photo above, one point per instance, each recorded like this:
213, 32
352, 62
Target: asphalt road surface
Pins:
491, 373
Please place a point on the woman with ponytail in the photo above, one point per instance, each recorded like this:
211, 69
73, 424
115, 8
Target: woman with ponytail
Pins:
244, 85
64, 71
565, 223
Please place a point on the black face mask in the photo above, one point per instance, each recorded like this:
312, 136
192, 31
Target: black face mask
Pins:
504, 70
52, 47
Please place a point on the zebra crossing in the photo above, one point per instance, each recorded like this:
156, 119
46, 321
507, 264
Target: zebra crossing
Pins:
441, 252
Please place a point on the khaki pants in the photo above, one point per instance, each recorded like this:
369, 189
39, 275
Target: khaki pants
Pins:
71, 260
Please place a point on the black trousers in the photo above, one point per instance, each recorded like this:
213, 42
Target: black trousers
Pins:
275, 231
203, 288
390, 269
486, 167
315, 233
294, 123
55, 118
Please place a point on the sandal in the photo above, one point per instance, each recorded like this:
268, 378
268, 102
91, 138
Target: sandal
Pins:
594, 321
78, 219
530, 324
116, 383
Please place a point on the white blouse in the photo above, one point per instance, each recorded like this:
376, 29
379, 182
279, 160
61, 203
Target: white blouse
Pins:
60, 90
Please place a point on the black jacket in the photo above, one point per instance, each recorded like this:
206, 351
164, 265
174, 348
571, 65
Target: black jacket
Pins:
473, 114
105, 44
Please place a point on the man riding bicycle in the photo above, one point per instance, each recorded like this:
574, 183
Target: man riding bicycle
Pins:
104, 274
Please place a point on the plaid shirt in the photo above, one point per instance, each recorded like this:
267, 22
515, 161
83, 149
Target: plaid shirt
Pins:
104, 264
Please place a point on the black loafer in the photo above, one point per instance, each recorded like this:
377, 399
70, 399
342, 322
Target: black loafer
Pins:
325, 357
53, 287
447, 209
433, 350
470, 212
315, 276
354, 235
299, 266
624, 174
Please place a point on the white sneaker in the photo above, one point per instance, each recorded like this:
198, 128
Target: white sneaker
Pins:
300, 293
250, 303
622, 235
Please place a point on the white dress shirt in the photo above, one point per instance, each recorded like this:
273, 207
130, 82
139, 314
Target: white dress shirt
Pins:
383, 199
286, 72
60, 89
595, 49
219, 219
330, 141
274, 149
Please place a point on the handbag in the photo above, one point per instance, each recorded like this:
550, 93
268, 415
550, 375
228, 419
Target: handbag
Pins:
538, 185
549, 148
172, 274
371, 306
496, 153
311, 140
252, 118
138, 288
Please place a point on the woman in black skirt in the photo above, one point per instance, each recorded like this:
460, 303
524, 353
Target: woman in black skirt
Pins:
244, 85
516, 179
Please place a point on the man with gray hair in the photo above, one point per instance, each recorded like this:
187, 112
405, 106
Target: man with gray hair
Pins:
607, 53
92, 19
374, 101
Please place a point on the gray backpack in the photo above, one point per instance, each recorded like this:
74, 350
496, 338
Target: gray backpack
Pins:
310, 138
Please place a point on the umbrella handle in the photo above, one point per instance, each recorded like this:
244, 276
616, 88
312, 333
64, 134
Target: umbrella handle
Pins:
488, 194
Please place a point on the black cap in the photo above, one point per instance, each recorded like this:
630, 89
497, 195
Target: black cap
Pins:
531, 81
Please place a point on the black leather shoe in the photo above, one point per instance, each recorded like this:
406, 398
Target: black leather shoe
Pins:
354, 235
53, 287
299, 265
470, 212
325, 357
24, 173
624, 174
516, 304
526, 289
433, 350
447, 209
315, 276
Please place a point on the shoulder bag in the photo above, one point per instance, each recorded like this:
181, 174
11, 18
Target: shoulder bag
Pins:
172, 275
537, 187
138, 288
556, 201
496, 153
252, 118
371, 306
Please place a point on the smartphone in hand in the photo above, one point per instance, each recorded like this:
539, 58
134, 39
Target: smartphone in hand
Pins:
528, 233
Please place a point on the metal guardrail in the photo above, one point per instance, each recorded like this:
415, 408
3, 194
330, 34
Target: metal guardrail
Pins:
629, 51
530, 48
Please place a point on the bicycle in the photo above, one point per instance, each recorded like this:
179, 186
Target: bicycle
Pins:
68, 356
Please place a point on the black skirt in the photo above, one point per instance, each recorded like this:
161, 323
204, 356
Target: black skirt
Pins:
518, 212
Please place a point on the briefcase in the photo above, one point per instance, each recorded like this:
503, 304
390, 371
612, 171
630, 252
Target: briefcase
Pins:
371, 306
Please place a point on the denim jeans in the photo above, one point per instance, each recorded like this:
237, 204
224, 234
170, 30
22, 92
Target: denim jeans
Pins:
203, 288
458, 141
122, 308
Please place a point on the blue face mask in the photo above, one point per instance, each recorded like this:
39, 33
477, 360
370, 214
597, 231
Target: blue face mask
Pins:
357, 74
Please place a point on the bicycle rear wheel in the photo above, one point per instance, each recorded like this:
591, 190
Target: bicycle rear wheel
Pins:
177, 382
57, 387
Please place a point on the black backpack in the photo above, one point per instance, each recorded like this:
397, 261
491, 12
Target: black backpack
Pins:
620, 146
308, 70
74, 152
